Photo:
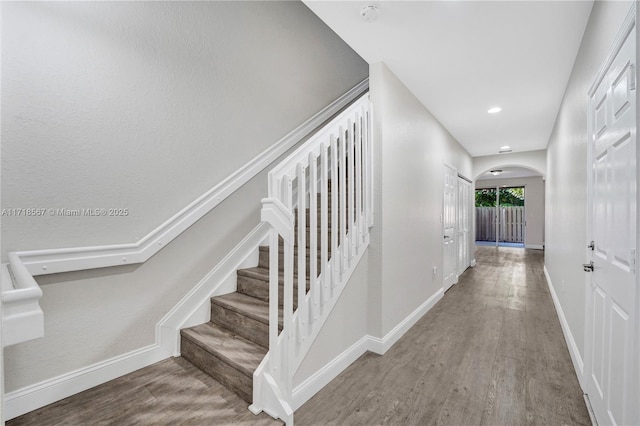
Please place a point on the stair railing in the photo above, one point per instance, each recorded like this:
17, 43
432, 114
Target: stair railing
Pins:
320, 197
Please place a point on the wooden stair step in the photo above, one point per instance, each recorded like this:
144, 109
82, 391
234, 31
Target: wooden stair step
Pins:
263, 258
254, 282
223, 355
243, 315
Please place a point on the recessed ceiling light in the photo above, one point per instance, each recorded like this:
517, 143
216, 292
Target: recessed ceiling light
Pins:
494, 110
504, 148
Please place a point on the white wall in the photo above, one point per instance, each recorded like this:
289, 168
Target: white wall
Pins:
394, 278
411, 148
533, 205
146, 106
566, 182
534, 160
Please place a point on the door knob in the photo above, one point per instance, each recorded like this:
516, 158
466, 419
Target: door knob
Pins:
588, 267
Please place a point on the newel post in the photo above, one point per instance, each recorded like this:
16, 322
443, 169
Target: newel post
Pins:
281, 219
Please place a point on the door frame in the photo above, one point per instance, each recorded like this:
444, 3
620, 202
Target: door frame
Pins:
584, 365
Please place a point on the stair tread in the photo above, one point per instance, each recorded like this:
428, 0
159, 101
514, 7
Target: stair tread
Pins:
248, 306
236, 351
262, 273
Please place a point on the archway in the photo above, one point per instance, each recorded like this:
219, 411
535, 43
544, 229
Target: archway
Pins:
522, 225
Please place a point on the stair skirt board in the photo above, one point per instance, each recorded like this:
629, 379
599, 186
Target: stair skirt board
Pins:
22, 401
238, 327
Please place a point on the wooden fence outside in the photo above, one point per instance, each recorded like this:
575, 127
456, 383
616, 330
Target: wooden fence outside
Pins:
511, 224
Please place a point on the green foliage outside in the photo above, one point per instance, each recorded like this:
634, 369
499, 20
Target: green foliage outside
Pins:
508, 197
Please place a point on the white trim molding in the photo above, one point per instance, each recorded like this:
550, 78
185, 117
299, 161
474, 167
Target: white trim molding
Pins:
38, 395
314, 383
576, 358
382, 345
534, 246
194, 308
190, 310
40, 262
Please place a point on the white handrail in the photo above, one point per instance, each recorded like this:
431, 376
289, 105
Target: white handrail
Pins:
331, 230
21, 313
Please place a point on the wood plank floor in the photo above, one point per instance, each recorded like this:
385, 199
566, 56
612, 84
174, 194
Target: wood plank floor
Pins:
491, 352
171, 392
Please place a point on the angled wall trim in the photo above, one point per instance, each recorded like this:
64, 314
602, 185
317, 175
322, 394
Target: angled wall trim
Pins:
42, 262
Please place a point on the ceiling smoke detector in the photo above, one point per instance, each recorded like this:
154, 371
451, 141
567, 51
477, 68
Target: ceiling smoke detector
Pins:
369, 12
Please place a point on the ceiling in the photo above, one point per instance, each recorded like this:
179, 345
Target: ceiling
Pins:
461, 58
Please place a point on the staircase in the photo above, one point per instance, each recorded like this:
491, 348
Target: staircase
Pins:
259, 335
231, 346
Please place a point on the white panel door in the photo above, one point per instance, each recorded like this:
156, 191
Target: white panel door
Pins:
464, 223
449, 225
611, 358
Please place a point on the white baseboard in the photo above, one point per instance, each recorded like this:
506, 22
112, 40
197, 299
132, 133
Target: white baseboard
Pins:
578, 363
184, 314
534, 246
48, 391
380, 346
38, 395
41, 262
312, 385
473, 263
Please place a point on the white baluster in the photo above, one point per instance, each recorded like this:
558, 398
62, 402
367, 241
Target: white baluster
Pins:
342, 193
342, 152
313, 231
358, 238
287, 350
302, 244
324, 226
335, 258
351, 204
273, 300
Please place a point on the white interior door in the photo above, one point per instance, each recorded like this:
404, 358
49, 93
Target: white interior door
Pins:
449, 225
611, 358
464, 223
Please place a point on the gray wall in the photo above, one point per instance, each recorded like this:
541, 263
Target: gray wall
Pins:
533, 202
144, 105
147, 105
566, 187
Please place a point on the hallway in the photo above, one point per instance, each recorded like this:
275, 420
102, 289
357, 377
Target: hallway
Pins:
491, 352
